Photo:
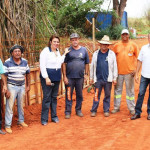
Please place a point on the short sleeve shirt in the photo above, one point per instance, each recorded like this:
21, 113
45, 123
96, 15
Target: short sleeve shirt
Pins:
1, 68
126, 54
144, 57
16, 73
75, 62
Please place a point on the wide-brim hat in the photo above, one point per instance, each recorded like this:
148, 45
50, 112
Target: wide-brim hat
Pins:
16, 47
105, 40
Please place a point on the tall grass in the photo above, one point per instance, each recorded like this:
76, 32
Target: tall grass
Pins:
140, 24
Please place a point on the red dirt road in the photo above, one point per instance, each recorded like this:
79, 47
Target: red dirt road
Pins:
116, 132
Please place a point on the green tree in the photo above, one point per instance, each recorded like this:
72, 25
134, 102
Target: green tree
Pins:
68, 14
147, 16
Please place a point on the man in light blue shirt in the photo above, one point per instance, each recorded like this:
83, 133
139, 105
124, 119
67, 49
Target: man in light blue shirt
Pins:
4, 90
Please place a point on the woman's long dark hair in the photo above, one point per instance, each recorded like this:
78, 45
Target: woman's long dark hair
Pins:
51, 38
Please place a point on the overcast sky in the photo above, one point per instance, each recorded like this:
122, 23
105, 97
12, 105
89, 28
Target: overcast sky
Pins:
134, 8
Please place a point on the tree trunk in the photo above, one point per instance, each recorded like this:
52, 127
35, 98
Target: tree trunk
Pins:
118, 8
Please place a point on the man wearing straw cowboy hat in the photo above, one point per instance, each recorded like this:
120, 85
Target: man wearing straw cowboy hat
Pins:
103, 73
16, 69
126, 54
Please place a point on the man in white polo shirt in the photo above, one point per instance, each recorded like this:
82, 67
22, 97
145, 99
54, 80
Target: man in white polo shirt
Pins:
144, 61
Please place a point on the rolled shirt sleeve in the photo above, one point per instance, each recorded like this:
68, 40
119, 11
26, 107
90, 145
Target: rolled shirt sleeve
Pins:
27, 69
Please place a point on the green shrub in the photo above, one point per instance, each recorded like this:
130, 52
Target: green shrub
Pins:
113, 32
116, 32
101, 33
140, 24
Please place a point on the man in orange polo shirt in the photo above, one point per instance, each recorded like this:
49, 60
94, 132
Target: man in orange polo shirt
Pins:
126, 54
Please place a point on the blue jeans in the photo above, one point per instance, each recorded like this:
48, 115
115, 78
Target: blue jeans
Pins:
107, 90
76, 83
0, 113
49, 100
143, 86
16, 92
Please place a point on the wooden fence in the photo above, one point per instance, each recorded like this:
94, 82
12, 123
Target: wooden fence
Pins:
35, 94
32, 55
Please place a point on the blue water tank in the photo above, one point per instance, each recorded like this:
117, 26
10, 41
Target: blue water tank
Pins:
104, 20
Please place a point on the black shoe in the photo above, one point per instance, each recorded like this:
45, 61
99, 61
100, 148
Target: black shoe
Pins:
1, 132
148, 117
44, 123
56, 120
136, 116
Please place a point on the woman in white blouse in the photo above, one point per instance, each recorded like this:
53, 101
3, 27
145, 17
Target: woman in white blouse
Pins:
50, 66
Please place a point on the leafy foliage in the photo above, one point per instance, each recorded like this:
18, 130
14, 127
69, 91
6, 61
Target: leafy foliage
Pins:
140, 24
147, 15
65, 16
90, 88
113, 32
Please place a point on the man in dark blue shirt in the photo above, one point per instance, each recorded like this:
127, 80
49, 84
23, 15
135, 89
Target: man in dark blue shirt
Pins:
102, 66
103, 72
75, 70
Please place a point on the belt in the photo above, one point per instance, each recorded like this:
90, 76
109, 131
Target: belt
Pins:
15, 84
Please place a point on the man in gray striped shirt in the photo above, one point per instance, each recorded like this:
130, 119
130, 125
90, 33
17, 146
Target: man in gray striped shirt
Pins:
16, 70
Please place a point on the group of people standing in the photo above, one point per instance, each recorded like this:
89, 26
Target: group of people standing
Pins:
108, 67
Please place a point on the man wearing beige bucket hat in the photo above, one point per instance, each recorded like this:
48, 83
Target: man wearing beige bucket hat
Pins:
103, 72
126, 53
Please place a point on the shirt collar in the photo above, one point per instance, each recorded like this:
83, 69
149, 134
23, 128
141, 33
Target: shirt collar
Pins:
51, 49
11, 59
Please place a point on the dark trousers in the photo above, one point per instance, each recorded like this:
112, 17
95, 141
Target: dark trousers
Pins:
0, 106
49, 100
143, 86
76, 83
98, 89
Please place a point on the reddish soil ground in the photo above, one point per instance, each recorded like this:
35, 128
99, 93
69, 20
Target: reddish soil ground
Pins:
116, 132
